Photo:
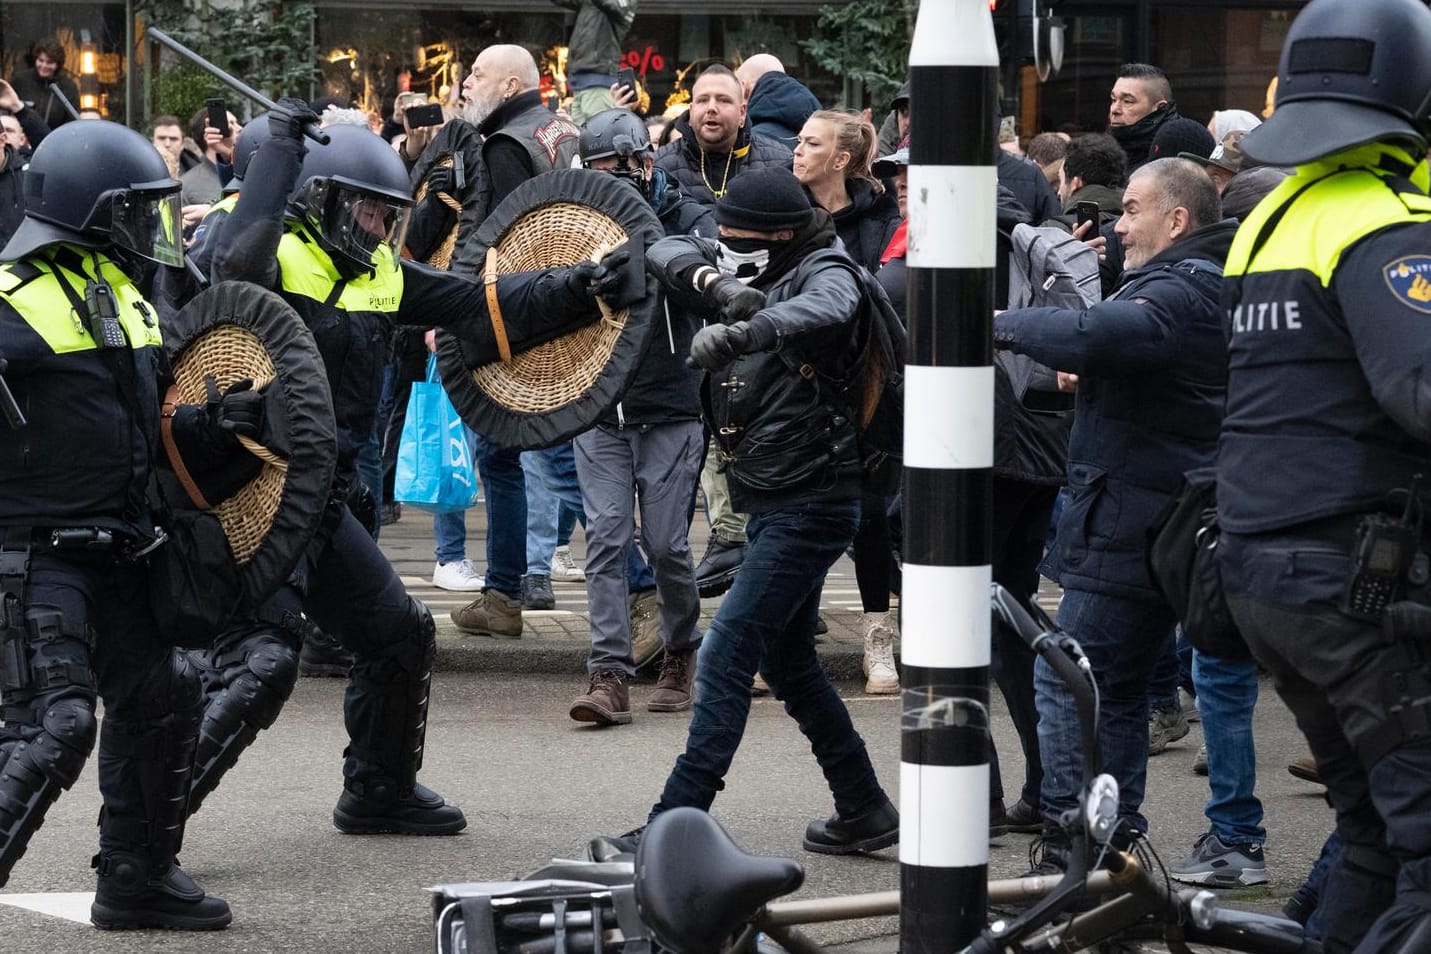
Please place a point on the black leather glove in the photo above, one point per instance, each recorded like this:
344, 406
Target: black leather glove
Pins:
288, 116
238, 411
733, 300
442, 179
581, 277
716, 346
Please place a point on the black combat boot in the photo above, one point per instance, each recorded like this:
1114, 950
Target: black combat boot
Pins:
145, 770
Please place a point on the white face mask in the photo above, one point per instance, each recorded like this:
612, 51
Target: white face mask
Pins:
744, 266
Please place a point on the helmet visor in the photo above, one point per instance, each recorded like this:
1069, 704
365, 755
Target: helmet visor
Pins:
149, 223
359, 224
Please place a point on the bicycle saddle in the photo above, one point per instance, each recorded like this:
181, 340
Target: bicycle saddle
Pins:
695, 886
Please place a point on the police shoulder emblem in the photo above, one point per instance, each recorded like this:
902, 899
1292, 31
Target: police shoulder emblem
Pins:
1409, 279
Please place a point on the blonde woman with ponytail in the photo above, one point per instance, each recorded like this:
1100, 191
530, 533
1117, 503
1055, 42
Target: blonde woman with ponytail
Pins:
833, 155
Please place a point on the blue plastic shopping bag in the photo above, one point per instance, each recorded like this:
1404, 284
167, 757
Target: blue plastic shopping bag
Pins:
434, 463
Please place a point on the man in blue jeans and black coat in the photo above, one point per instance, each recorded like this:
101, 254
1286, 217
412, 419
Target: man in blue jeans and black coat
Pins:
782, 298
1152, 370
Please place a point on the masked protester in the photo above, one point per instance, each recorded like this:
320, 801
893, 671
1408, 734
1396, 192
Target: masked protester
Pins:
84, 358
780, 298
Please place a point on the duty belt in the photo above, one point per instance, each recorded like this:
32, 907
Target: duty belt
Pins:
125, 547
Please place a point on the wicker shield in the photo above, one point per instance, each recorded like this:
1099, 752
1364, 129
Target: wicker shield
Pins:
237, 330
549, 393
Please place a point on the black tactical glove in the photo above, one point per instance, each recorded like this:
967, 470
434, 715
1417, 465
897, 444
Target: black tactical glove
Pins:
442, 179
580, 279
288, 116
733, 300
238, 411
716, 346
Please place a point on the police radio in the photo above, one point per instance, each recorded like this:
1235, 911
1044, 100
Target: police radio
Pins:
1381, 557
104, 326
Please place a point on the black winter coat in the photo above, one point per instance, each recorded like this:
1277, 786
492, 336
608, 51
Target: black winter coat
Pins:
865, 225
682, 160
1152, 366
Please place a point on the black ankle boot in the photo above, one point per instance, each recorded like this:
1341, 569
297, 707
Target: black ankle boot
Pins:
868, 831
376, 808
135, 892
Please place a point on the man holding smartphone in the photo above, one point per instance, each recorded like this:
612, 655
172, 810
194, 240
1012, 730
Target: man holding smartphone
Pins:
206, 171
595, 53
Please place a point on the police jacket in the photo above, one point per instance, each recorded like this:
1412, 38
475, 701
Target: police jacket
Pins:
866, 224
778, 440
778, 106
352, 315
664, 390
699, 172
1152, 367
84, 458
1329, 380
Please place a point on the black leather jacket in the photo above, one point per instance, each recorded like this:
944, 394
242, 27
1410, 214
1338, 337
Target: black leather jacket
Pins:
778, 440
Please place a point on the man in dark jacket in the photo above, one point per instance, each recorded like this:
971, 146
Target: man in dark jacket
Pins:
776, 104
1140, 102
1152, 370
715, 148
794, 465
650, 441
595, 54
45, 81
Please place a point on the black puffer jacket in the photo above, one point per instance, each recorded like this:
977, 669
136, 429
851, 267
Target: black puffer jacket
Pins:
777, 440
696, 173
866, 224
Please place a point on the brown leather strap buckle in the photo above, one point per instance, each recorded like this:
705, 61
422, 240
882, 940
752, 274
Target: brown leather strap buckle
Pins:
494, 308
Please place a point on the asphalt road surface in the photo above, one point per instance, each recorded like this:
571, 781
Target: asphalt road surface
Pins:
534, 786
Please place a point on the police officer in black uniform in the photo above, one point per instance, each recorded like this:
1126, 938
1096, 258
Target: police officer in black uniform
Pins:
322, 227
84, 358
1325, 454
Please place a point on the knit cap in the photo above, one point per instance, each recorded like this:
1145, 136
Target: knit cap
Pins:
764, 200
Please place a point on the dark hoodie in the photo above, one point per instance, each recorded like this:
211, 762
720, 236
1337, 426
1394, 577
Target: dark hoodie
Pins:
1137, 139
778, 106
866, 224
697, 176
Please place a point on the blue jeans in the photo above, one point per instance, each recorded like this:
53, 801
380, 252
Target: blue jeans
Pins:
449, 530
770, 614
1174, 670
542, 509
500, 469
1123, 640
1226, 696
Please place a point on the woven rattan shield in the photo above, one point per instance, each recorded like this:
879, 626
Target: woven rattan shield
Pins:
553, 391
233, 331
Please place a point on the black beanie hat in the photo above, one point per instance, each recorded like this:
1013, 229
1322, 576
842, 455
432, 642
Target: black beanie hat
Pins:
1181, 134
764, 200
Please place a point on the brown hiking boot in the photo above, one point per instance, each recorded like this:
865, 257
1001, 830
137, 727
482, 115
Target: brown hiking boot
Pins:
673, 685
492, 613
646, 642
606, 701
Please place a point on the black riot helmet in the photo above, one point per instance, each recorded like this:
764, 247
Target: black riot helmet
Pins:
619, 133
1350, 74
100, 185
253, 135
353, 195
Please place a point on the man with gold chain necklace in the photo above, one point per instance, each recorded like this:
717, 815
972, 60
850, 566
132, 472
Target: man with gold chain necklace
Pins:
716, 145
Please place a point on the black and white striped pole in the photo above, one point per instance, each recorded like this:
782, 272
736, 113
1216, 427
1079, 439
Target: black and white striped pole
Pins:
948, 458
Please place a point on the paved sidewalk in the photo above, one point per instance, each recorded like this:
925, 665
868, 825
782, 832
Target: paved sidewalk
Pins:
556, 641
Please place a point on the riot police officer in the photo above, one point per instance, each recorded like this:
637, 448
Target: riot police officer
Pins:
84, 358
1326, 445
323, 228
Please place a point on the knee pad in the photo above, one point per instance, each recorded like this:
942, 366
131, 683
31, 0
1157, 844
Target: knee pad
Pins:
265, 683
408, 658
67, 737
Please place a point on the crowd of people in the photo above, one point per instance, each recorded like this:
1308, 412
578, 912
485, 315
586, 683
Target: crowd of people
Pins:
1259, 289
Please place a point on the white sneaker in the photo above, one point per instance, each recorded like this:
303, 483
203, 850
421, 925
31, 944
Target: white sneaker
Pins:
456, 576
879, 630
565, 569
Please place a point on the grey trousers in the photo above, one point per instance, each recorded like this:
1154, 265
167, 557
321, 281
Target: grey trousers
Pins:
724, 518
658, 465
